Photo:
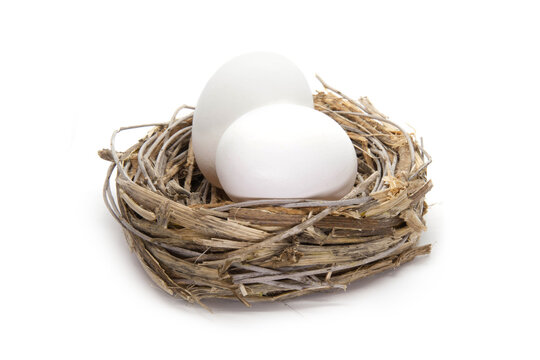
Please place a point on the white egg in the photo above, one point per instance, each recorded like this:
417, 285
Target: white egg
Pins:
240, 85
286, 151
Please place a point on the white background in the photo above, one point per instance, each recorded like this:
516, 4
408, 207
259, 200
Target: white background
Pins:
464, 74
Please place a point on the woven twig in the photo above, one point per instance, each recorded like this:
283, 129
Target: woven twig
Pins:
195, 243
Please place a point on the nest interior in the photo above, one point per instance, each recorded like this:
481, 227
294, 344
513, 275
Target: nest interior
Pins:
195, 243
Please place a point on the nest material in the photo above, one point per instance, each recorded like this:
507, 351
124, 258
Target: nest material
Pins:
195, 243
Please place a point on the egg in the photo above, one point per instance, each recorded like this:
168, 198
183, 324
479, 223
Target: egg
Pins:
286, 151
240, 85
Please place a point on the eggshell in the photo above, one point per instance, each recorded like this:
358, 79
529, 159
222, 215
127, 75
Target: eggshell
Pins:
240, 85
286, 151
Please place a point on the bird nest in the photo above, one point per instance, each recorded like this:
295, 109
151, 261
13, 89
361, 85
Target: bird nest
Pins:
195, 243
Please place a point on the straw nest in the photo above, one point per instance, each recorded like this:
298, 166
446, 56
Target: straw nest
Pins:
195, 243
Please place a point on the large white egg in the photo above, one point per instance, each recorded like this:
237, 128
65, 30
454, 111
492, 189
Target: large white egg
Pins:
240, 85
286, 151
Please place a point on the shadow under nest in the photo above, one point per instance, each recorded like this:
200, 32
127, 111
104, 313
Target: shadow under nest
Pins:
195, 243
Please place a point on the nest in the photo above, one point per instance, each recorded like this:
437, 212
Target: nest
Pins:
195, 243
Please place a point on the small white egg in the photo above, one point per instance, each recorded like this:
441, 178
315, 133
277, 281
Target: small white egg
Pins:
286, 151
244, 83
